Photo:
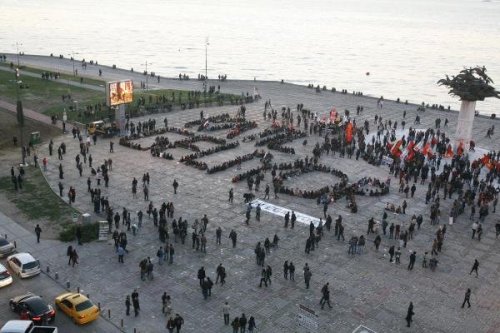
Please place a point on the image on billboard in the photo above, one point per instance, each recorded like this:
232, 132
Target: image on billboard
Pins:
119, 92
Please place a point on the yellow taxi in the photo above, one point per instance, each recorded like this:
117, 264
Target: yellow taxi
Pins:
78, 307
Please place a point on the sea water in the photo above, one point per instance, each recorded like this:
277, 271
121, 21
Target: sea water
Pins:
394, 48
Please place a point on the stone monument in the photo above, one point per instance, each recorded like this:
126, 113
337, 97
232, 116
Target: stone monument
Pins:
470, 85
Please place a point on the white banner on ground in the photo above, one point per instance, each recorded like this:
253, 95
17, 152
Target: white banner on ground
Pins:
281, 211
307, 318
363, 329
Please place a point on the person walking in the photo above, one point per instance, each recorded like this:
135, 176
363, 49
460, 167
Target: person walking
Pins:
69, 252
233, 237
251, 324
263, 278
391, 253
175, 184
235, 324
326, 296
218, 235
135, 302
127, 305
38, 232
121, 252
179, 321
467, 298
225, 312
170, 325
413, 257
74, 257
201, 275
171, 253
243, 323
307, 275
475, 267
409, 315
160, 254
291, 271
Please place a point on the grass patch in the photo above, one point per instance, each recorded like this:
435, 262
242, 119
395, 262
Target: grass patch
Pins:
36, 200
152, 101
10, 128
64, 76
90, 232
45, 95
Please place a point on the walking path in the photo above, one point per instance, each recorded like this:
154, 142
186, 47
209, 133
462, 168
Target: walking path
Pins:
365, 289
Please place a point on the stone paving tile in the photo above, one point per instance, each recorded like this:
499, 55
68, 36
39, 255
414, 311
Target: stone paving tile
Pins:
365, 289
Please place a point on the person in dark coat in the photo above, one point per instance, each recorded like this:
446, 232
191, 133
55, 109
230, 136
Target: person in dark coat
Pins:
467, 298
409, 315
243, 323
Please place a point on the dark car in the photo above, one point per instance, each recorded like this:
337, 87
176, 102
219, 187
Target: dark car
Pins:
33, 307
6, 247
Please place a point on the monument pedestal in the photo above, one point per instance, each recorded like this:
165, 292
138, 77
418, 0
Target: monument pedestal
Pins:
465, 121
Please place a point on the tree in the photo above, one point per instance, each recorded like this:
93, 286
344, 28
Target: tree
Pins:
471, 84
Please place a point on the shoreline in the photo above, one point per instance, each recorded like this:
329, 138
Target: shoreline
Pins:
117, 69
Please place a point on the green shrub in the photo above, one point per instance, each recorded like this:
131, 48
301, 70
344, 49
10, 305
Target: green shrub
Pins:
90, 232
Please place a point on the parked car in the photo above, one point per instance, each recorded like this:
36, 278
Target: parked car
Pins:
24, 265
6, 247
25, 326
32, 307
5, 278
78, 307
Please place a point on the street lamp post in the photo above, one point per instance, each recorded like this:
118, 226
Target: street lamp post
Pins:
146, 64
17, 52
20, 116
206, 63
72, 54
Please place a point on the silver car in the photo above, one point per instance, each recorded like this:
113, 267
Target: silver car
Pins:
5, 278
24, 265
6, 247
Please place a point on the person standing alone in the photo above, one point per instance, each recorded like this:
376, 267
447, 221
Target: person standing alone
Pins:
38, 232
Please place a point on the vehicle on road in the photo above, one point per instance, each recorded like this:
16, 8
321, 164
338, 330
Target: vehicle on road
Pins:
25, 326
102, 128
6, 247
5, 278
32, 307
24, 265
78, 307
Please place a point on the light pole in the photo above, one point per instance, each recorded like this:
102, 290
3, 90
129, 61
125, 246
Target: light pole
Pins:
146, 64
72, 54
17, 52
20, 115
206, 62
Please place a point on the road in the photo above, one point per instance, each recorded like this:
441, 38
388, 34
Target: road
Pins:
43, 286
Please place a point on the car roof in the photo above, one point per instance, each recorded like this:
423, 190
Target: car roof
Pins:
75, 298
37, 304
23, 257
4, 241
17, 324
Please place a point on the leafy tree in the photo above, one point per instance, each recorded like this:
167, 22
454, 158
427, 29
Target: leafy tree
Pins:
471, 84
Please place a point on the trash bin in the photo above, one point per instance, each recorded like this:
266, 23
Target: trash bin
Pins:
35, 138
85, 218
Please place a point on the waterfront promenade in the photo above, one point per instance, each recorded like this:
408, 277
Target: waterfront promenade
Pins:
365, 289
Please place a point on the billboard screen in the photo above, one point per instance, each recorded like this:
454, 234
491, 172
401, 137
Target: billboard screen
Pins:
119, 92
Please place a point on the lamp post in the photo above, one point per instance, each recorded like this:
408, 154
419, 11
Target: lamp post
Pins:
72, 54
206, 63
17, 52
20, 115
146, 64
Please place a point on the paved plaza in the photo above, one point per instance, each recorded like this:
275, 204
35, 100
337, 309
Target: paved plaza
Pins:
365, 289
